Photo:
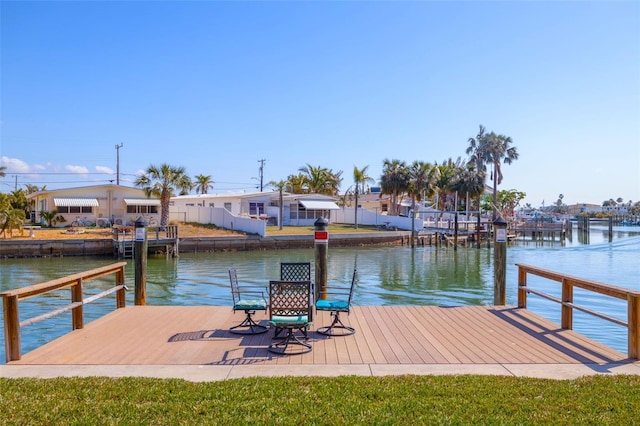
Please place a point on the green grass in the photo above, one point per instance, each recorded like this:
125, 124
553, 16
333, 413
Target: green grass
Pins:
391, 400
338, 228
303, 230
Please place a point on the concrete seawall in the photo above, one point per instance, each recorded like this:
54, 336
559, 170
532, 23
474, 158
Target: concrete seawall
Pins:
104, 247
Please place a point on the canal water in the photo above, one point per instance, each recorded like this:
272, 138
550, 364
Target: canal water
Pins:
396, 275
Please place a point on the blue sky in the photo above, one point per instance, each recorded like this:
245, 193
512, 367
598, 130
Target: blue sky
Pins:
217, 86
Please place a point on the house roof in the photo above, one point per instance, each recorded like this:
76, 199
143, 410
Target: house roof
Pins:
97, 188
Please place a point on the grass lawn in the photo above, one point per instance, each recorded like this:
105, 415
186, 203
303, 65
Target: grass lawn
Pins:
347, 400
332, 228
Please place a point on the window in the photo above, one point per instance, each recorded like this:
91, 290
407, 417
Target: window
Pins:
298, 211
142, 209
227, 206
256, 208
75, 209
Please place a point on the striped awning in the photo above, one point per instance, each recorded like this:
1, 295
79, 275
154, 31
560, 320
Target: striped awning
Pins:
319, 205
75, 202
142, 201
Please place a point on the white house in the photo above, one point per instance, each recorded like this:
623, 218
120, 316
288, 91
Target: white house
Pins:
234, 210
101, 205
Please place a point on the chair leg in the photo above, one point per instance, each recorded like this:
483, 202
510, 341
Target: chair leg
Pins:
248, 326
337, 328
281, 347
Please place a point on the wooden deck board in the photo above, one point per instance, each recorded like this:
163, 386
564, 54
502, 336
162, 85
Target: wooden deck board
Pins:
174, 335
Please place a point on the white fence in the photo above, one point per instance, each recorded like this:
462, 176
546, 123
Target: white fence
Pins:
220, 217
367, 217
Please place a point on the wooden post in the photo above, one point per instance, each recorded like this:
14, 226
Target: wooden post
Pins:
633, 324
522, 282
11, 328
77, 313
478, 231
321, 244
610, 228
455, 232
413, 229
500, 262
120, 294
566, 316
140, 255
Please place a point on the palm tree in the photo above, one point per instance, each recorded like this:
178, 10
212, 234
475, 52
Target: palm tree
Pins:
162, 182
446, 178
360, 178
422, 177
475, 149
280, 185
394, 181
470, 182
321, 180
2, 171
499, 149
491, 149
295, 184
203, 184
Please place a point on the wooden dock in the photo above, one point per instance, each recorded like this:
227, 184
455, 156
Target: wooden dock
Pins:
162, 240
386, 335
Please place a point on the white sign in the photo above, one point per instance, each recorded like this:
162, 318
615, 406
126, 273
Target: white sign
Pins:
501, 235
140, 234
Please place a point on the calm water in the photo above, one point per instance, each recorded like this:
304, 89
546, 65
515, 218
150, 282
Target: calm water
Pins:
386, 276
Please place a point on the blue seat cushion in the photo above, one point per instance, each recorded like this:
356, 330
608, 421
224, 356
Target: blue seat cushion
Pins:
332, 305
284, 320
250, 304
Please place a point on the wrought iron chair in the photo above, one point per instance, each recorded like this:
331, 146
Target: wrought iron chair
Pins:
289, 310
297, 271
291, 271
338, 299
248, 299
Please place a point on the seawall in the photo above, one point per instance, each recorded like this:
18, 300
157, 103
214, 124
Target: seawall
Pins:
104, 247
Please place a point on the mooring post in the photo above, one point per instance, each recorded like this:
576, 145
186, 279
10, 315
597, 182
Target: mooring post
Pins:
499, 261
610, 228
321, 244
140, 256
455, 232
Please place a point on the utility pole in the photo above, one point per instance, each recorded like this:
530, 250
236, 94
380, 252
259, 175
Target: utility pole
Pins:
118, 163
261, 172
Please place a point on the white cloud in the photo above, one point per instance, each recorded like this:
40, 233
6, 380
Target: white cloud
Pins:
104, 169
14, 165
76, 169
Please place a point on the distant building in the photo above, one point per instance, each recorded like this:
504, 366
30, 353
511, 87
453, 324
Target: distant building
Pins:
298, 209
101, 205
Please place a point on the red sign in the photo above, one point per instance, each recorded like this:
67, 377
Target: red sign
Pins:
321, 236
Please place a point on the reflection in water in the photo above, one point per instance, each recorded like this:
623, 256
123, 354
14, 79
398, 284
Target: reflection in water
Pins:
386, 276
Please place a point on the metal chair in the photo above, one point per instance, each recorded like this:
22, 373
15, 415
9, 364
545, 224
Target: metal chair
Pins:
248, 299
289, 310
297, 271
291, 271
337, 299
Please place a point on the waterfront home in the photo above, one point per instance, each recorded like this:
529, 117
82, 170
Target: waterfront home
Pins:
101, 205
236, 208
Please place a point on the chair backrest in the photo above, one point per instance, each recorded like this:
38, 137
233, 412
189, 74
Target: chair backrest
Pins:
235, 287
290, 298
300, 271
